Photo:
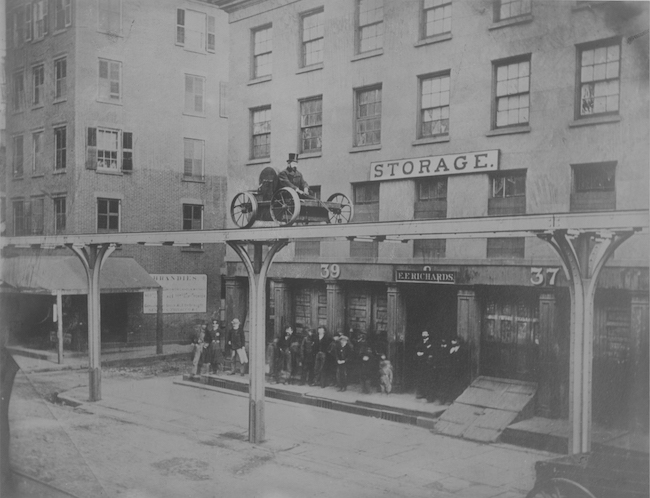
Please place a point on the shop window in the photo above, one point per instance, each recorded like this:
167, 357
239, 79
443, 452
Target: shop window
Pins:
367, 117
261, 136
429, 248
507, 194
436, 17
512, 92
599, 79
594, 187
506, 247
431, 198
262, 52
312, 38
370, 25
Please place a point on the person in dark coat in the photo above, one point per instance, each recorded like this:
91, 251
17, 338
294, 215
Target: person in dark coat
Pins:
343, 354
289, 346
215, 354
292, 178
330, 361
236, 344
424, 362
204, 358
308, 358
440, 372
322, 343
365, 357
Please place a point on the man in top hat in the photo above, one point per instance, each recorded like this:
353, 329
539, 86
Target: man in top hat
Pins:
236, 342
292, 178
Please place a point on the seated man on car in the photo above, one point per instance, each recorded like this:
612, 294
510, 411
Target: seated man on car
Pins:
292, 178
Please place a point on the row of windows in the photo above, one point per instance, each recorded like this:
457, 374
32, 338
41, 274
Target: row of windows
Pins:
37, 89
32, 21
106, 149
597, 93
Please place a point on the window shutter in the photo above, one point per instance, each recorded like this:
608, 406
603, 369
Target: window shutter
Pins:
211, 34
28, 22
180, 26
91, 149
127, 151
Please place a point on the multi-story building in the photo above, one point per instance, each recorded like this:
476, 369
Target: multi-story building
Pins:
117, 122
439, 109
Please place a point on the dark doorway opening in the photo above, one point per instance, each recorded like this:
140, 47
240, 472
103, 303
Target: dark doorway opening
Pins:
114, 316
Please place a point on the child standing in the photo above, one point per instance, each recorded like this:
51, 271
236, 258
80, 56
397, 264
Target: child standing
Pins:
385, 375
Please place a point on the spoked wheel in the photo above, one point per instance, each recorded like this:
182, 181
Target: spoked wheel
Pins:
243, 209
285, 206
342, 214
559, 488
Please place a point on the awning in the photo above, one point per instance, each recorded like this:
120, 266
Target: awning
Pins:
51, 274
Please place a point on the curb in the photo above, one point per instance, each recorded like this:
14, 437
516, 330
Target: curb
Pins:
107, 363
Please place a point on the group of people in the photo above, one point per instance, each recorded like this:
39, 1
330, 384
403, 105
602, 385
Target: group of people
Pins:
207, 348
318, 358
440, 368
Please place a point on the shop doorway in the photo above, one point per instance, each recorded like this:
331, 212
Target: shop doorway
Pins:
431, 308
114, 316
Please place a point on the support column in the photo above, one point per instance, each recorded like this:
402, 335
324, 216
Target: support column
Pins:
639, 364
283, 306
92, 257
159, 320
335, 306
396, 316
257, 269
59, 326
547, 348
469, 330
583, 256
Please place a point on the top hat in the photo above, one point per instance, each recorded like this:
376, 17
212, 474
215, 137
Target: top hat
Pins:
235, 320
292, 157
425, 334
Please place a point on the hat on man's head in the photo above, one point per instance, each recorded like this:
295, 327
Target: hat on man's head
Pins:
425, 334
292, 157
235, 320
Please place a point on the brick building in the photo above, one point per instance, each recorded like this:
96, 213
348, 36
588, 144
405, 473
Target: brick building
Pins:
117, 122
453, 109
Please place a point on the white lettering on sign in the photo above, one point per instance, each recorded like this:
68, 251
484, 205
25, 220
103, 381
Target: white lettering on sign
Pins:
181, 294
537, 276
450, 164
330, 271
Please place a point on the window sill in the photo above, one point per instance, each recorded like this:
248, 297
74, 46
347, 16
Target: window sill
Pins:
18, 111
261, 79
309, 155
194, 115
508, 131
433, 39
585, 6
109, 102
60, 101
431, 140
38, 106
596, 120
17, 178
526, 18
59, 31
365, 148
38, 175
368, 55
58, 171
191, 179
308, 69
110, 33
253, 162
104, 171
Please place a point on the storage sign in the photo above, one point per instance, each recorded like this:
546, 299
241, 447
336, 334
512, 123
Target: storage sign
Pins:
425, 276
186, 293
450, 164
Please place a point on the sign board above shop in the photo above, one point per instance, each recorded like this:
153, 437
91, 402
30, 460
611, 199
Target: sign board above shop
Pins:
449, 164
425, 276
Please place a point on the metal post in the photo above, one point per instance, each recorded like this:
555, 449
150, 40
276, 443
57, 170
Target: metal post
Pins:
92, 257
59, 325
257, 270
159, 320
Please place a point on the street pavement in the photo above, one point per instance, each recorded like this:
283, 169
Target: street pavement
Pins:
155, 437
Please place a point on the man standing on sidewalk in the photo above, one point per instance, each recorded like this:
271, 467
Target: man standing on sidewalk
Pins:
322, 344
236, 342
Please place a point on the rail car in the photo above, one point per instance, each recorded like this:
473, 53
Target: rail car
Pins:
270, 202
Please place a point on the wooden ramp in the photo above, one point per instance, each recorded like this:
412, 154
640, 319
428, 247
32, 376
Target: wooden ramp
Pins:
486, 408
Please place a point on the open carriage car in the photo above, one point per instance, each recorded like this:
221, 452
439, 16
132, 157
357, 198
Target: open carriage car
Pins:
270, 202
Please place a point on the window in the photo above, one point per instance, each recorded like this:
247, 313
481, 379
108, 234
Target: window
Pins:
506, 247
62, 14
195, 31
17, 163
60, 79
40, 19
110, 77
192, 217
429, 248
311, 125
366, 202
37, 215
370, 30
512, 92
193, 159
431, 198
307, 248
312, 38
37, 153
19, 217
437, 17
109, 150
38, 81
60, 148
28, 22
19, 91
110, 16
59, 214
599, 77
507, 194
434, 106
368, 117
19, 24
262, 52
194, 94
261, 133
594, 187
509, 9
108, 215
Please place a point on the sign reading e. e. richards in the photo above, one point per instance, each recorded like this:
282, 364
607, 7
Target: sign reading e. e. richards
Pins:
449, 164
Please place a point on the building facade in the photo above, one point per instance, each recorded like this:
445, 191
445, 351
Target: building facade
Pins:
117, 122
439, 109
